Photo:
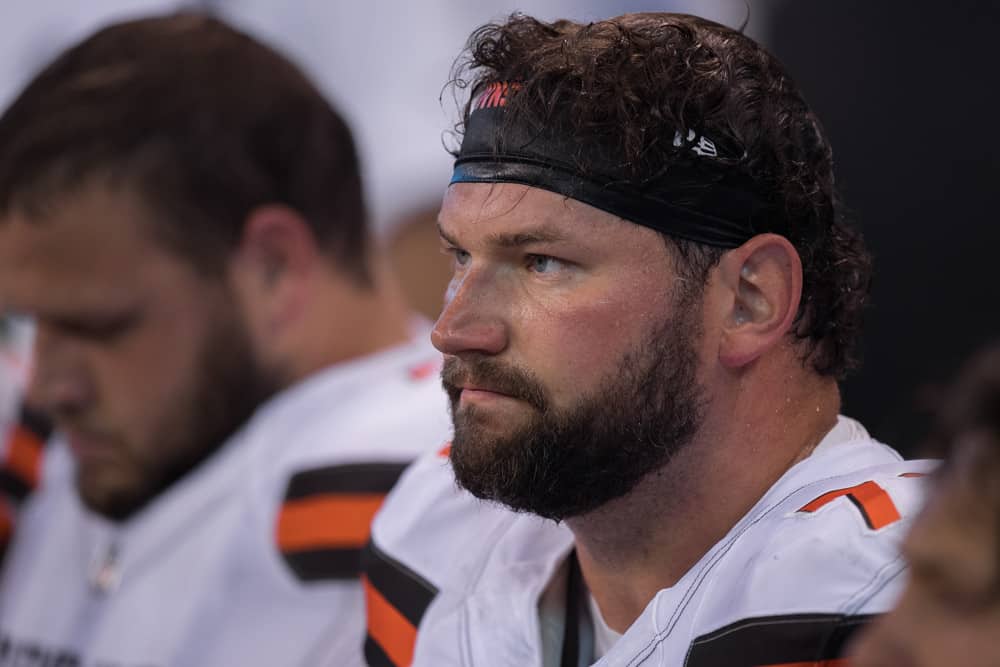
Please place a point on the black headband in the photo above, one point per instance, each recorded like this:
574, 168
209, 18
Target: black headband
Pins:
697, 199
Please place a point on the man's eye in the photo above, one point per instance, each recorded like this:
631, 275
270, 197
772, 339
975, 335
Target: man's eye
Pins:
104, 331
461, 256
544, 264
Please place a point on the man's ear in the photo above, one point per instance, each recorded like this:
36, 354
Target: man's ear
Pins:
277, 253
764, 278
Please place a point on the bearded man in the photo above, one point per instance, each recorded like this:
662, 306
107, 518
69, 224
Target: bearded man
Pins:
654, 296
235, 382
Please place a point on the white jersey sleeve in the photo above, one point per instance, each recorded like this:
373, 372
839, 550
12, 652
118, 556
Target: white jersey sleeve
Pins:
251, 559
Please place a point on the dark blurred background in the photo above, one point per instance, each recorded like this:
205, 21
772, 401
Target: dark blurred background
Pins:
908, 92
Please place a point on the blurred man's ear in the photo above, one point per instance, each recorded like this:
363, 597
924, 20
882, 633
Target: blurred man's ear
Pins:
764, 278
271, 266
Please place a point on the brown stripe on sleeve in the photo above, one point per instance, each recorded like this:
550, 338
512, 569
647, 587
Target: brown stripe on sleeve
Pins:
396, 598
795, 640
348, 478
325, 520
20, 468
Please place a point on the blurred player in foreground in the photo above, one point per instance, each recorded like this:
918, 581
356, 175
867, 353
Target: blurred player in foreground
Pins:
949, 613
654, 295
235, 382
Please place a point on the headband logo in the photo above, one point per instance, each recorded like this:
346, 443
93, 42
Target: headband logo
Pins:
704, 146
496, 95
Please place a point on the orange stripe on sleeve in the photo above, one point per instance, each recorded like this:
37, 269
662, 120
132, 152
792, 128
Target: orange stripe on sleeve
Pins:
827, 497
874, 502
327, 521
24, 455
388, 627
877, 504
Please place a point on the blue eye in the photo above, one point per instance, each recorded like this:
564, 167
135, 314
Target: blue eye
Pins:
461, 256
543, 263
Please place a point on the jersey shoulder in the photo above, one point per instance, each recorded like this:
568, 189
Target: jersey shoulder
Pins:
428, 510
798, 578
328, 467
431, 542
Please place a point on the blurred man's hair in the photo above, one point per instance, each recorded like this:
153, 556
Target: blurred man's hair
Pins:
200, 121
971, 406
967, 434
638, 81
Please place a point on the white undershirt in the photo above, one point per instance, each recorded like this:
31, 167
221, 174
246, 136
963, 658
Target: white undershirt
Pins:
604, 637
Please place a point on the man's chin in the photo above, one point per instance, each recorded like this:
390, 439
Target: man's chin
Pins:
109, 493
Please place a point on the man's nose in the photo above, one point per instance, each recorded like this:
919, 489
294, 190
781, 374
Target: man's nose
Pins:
472, 319
60, 383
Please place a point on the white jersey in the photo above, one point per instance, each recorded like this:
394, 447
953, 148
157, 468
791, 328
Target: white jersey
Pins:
456, 581
252, 559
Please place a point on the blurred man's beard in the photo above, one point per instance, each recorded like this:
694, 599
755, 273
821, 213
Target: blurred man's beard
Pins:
565, 463
227, 388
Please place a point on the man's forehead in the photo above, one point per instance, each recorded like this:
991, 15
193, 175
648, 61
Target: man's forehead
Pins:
60, 296
79, 258
507, 211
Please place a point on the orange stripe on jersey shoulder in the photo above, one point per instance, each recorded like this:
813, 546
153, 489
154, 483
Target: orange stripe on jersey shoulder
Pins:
445, 451
328, 521
424, 370
836, 662
872, 501
913, 474
388, 627
24, 455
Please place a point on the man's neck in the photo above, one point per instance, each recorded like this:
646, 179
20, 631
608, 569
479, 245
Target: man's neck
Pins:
643, 542
344, 323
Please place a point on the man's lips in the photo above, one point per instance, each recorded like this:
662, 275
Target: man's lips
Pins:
478, 394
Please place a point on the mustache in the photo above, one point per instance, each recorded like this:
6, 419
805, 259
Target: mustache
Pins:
491, 375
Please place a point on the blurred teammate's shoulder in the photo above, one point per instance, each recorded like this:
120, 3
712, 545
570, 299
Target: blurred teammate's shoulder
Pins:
351, 431
271, 526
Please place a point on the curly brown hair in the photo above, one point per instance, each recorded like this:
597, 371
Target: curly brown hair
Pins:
636, 82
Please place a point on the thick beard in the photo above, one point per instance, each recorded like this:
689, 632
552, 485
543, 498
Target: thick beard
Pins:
228, 387
565, 463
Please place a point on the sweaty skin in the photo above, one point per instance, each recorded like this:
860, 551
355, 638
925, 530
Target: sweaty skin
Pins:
547, 283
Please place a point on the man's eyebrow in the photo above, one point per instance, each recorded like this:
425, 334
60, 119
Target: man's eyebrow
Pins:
512, 240
519, 239
444, 235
